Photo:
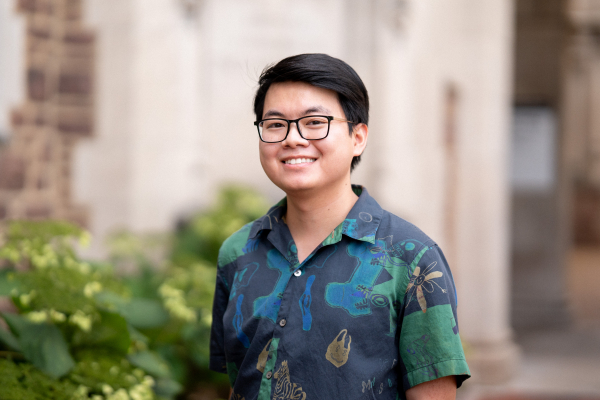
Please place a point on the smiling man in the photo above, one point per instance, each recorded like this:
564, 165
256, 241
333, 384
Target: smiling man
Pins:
328, 296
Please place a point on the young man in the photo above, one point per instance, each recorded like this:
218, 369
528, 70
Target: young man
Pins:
328, 296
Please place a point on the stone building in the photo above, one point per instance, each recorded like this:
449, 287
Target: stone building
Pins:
482, 127
56, 111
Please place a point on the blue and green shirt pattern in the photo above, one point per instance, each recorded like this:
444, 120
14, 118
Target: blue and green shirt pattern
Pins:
369, 314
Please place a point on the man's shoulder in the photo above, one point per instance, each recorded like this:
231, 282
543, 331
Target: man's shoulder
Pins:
233, 246
402, 233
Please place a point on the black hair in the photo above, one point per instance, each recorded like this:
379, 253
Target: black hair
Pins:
322, 71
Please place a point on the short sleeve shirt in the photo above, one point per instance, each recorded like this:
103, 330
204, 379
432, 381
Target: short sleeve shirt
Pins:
370, 313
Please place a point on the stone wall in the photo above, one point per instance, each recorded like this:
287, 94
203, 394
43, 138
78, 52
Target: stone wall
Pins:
36, 164
582, 121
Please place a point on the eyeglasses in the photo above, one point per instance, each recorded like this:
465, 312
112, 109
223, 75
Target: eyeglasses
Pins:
311, 127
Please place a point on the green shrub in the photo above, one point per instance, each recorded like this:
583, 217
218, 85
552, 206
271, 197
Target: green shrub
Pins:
74, 322
83, 331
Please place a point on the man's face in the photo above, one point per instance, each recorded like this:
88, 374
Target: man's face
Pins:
326, 162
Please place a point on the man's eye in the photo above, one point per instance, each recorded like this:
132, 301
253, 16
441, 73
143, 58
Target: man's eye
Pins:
316, 122
273, 125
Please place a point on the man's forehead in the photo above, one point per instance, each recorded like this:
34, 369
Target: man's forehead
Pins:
304, 97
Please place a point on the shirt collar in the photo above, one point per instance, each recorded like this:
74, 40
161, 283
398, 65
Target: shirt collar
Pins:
361, 223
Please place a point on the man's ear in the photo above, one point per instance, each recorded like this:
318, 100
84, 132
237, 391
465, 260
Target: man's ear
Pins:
360, 134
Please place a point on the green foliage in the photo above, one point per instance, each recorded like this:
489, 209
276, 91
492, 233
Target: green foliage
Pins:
63, 322
201, 237
82, 331
41, 343
22, 381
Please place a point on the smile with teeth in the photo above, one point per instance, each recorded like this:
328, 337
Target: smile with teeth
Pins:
299, 160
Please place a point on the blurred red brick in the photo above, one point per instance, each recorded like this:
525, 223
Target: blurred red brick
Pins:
586, 213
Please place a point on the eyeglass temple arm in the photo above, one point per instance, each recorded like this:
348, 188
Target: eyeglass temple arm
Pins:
342, 120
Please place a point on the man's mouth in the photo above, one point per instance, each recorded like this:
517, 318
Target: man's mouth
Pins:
293, 161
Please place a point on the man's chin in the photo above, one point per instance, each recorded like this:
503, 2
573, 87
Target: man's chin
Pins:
294, 188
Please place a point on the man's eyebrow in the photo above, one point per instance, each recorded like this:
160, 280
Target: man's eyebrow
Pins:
311, 110
319, 109
272, 113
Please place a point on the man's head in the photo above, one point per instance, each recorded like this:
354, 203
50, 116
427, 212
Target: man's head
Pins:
322, 71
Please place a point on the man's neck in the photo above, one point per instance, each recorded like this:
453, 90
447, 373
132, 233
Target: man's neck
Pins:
311, 218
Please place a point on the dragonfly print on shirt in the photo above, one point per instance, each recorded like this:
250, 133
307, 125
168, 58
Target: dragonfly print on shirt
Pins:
423, 282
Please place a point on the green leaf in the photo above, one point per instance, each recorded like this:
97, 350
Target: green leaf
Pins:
167, 388
46, 348
150, 362
144, 313
111, 332
136, 335
16, 323
110, 300
9, 340
7, 282
140, 313
42, 344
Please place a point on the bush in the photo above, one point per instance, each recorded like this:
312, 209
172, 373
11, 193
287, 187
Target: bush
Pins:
82, 331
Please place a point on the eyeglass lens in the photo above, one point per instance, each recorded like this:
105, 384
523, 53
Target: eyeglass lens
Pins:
311, 128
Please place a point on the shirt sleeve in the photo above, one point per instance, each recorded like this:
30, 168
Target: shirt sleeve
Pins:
218, 361
430, 345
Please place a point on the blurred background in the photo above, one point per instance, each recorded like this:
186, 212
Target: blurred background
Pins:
131, 115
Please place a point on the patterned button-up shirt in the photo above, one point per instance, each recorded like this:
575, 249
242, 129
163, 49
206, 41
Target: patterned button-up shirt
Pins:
370, 313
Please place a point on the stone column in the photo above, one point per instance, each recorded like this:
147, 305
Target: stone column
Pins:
483, 202
442, 104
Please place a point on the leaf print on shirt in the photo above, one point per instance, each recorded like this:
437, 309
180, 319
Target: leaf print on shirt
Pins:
285, 389
424, 281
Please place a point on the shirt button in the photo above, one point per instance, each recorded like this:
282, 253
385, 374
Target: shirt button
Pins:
282, 322
297, 272
269, 375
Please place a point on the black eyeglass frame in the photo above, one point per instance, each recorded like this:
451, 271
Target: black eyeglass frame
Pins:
289, 121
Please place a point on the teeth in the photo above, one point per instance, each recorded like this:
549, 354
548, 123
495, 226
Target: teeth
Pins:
299, 160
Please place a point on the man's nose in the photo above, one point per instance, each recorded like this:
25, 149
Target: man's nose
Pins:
294, 138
